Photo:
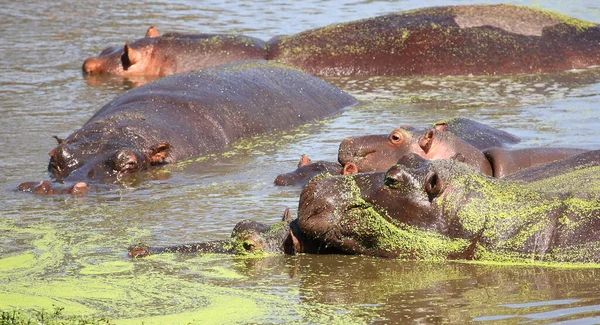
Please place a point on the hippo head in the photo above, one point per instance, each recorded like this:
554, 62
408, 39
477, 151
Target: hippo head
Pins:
102, 159
377, 152
379, 213
130, 60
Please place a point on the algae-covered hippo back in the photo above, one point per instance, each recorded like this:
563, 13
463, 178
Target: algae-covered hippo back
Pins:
452, 40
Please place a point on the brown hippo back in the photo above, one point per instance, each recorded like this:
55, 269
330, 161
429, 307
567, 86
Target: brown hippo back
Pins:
453, 40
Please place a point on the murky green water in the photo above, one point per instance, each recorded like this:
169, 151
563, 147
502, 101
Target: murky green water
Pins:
71, 252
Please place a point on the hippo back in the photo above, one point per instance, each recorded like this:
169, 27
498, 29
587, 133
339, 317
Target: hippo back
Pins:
204, 110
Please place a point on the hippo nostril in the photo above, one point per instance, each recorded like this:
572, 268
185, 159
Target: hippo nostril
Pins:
250, 247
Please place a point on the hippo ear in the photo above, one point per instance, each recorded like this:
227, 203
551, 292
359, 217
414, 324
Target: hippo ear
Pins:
304, 160
159, 153
426, 141
152, 32
441, 126
287, 216
350, 169
434, 185
130, 56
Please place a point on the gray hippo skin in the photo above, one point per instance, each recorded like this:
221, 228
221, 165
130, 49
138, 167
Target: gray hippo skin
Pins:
191, 114
445, 209
450, 40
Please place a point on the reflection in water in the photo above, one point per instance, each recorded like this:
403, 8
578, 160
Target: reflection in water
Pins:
71, 252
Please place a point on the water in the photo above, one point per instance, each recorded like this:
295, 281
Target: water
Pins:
71, 252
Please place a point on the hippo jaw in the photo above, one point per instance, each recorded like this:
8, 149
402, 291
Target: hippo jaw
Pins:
376, 152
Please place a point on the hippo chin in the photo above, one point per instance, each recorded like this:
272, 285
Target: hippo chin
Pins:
445, 209
450, 40
191, 114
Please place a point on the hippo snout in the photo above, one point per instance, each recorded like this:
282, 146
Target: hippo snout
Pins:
350, 151
316, 216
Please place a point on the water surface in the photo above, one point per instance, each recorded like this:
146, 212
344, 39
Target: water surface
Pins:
71, 252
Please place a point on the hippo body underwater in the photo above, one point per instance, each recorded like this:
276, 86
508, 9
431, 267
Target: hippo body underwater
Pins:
191, 114
450, 40
445, 209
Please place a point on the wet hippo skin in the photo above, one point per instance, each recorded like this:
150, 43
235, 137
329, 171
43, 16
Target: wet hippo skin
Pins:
445, 209
191, 114
450, 40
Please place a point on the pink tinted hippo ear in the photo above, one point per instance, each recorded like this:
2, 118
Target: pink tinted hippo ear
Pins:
304, 160
130, 56
350, 169
426, 141
287, 216
152, 32
159, 153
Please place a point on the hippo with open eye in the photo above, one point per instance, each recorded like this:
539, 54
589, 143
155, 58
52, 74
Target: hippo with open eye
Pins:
445, 209
191, 114
478, 145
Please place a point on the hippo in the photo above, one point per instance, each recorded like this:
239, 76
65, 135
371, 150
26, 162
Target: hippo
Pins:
448, 40
445, 209
248, 237
173, 53
477, 144
191, 114
308, 169
379, 152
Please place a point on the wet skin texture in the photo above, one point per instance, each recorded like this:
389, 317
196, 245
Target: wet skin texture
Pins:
453, 40
191, 114
379, 152
445, 209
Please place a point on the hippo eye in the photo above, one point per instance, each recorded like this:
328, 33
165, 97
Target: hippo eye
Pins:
396, 137
434, 186
124, 161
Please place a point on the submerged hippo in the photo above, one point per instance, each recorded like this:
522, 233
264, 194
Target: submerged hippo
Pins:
451, 40
191, 114
247, 237
445, 209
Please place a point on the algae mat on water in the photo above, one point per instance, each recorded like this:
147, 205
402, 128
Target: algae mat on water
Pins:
86, 279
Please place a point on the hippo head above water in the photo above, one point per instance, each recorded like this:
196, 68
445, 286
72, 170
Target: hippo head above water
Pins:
445, 209
100, 157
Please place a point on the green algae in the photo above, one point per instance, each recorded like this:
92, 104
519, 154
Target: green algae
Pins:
379, 235
25, 260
